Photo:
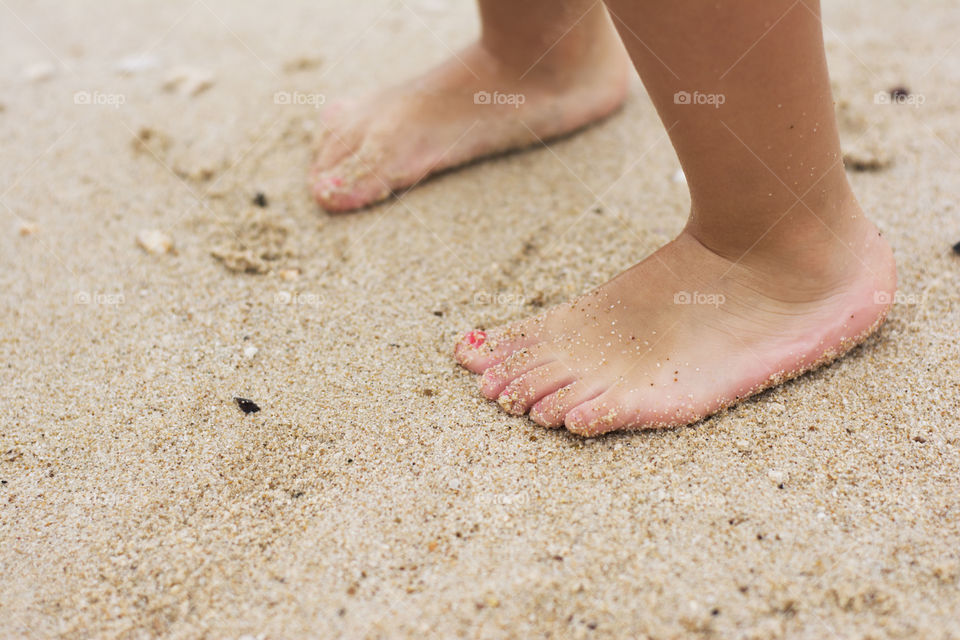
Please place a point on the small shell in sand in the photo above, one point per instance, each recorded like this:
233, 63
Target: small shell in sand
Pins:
289, 274
155, 242
39, 71
136, 63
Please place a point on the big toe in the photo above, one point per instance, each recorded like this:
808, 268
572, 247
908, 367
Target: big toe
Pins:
337, 144
345, 174
343, 189
479, 350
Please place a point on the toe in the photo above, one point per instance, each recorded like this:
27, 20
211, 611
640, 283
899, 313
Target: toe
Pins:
496, 378
479, 350
551, 410
335, 113
343, 190
621, 407
353, 183
607, 412
337, 144
626, 408
333, 122
520, 394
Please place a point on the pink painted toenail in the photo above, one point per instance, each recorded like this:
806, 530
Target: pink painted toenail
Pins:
476, 338
336, 181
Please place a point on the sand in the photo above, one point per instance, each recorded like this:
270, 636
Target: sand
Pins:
376, 494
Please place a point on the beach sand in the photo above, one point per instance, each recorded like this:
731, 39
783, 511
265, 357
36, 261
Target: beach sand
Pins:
376, 493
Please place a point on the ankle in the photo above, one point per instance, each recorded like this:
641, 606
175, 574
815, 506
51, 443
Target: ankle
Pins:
826, 247
590, 43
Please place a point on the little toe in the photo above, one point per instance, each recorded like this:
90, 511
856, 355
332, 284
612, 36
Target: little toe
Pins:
523, 392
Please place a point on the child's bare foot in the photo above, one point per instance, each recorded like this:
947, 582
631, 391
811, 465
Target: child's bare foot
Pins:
687, 332
777, 270
478, 103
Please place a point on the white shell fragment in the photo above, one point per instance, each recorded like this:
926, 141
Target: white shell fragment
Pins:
289, 274
137, 63
39, 71
154, 241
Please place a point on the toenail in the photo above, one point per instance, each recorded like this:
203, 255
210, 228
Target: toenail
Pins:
335, 181
476, 338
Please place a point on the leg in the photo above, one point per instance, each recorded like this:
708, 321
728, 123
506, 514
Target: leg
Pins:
777, 270
541, 68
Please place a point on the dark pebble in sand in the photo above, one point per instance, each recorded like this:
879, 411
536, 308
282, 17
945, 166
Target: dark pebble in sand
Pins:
247, 406
260, 199
956, 248
899, 92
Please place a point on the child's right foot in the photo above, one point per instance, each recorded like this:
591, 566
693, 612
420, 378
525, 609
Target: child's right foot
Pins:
688, 332
471, 106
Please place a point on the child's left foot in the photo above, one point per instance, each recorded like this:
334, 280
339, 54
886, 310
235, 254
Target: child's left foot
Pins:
472, 106
686, 332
